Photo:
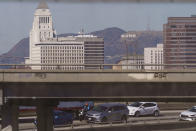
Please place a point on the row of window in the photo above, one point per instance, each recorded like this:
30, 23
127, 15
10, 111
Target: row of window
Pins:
156, 62
181, 30
94, 51
95, 55
61, 51
62, 47
180, 62
181, 34
43, 26
183, 26
179, 42
61, 55
101, 46
133, 62
62, 58
94, 60
94, 43
62, 62
178, 53
132, 67
57, 53
62, 67
89, 48
44, 19
156, 52
182, 58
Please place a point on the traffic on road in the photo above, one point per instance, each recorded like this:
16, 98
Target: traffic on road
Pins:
106, 114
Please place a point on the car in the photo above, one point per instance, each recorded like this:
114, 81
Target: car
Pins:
60, 118
108, 112
188, 115
143, 108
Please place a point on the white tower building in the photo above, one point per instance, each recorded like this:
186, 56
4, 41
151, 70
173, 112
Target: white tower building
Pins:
46, 48
153, 55
42, 30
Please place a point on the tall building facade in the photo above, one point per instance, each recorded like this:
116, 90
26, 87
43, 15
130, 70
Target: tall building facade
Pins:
93, 50
46, 48
153, 55
180, 41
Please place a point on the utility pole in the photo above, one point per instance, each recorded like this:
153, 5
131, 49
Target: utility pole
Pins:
129, 38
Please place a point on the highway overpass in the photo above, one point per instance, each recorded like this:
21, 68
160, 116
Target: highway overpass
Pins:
45, 89
98, 84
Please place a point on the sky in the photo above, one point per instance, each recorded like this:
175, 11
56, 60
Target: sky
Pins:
16, 17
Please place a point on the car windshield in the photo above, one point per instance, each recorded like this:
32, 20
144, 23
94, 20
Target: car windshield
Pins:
99, 108
136, 104
193, 109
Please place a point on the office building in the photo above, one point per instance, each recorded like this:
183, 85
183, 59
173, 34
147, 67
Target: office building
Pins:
180, 41
153, 55
134, 62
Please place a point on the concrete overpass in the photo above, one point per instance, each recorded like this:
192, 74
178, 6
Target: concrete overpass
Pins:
97, 84
45, 88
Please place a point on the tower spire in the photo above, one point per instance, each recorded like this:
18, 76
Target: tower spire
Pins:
42, 5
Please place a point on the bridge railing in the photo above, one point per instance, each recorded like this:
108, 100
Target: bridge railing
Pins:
130, 121
98, 66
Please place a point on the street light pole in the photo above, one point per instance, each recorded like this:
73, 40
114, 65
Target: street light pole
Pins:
127, 48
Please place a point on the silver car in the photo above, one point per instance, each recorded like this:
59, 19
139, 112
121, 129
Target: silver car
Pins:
143, 108
189, 115
108, 112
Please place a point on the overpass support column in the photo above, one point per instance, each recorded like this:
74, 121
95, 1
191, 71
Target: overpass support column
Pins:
44, 117
10, 113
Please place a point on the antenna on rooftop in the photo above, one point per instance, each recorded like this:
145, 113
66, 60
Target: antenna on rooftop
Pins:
81, 32
148, 24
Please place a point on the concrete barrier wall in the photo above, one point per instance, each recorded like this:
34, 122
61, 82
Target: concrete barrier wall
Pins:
97, 76
98, 89
146, 127
8, 128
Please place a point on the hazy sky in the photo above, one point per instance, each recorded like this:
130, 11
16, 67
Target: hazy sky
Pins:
16, 17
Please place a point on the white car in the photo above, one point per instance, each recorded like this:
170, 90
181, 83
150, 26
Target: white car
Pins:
189, 115
143, 108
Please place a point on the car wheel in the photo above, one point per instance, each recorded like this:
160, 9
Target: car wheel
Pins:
137, 114
104, 120
124, 119
156, 113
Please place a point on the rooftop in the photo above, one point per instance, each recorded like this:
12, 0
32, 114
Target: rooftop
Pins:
42, 5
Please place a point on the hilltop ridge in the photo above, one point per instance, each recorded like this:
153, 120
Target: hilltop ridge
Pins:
114, 47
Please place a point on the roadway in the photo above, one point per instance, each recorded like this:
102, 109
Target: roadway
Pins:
165, 117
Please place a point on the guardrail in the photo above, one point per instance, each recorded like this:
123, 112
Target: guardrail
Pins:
100, 66
133, 121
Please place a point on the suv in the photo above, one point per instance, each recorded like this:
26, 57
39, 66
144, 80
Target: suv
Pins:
143, 108
108, 112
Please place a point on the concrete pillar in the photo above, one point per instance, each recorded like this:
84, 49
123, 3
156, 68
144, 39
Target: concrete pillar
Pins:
44, 118
10, 113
